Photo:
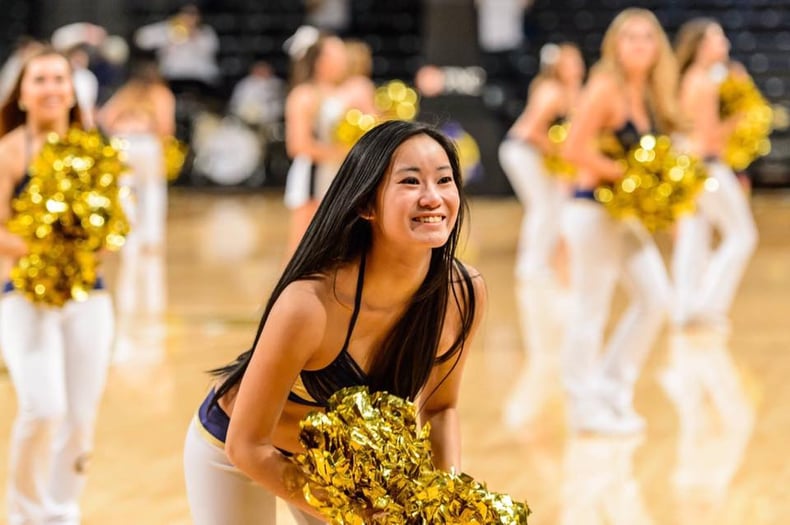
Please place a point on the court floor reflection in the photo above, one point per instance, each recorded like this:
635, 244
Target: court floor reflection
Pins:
716, 418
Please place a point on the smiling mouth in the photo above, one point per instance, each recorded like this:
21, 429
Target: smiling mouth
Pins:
432, 219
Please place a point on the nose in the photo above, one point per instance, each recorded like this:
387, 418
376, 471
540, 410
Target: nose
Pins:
430, 197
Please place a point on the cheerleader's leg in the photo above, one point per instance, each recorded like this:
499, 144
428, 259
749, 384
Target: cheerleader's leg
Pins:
728, 210
218, 493
88, 334
594, 249
542, 198
689, 259
646, 281
33, 350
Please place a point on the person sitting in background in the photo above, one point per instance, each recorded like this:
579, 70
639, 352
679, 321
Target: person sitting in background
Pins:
258, 98
186, 49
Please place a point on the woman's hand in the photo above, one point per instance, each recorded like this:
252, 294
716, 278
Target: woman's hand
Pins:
611, 170
12, 245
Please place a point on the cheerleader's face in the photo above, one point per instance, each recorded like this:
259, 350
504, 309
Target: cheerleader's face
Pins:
46, 91
570, 66
418, 200
714, 47
332, 63
637, 46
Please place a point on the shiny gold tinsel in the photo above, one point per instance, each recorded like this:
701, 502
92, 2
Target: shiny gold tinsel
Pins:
68, 211
353, 125
368, 463
658, 186
175, 154
396, 101
554, 163
749, 140
393, 101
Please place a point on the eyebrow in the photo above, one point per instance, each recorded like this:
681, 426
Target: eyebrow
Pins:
416, 168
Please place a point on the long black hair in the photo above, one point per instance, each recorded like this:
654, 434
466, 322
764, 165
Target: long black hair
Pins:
338, 234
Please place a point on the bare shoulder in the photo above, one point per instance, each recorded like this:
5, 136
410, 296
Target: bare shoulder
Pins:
464, 276
303, 94
303, 301
12, 154
548, 89
603, 82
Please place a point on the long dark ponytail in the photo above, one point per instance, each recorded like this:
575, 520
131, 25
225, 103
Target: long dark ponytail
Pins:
337, 234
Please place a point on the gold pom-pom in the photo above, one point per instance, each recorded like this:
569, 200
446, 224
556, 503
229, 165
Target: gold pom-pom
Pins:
175, 154
749, 140
396, 101
393, 101
554, 163
353, 125
367, 462
69, 210
659, 184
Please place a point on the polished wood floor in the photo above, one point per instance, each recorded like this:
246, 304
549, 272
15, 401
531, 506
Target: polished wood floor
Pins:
718, 411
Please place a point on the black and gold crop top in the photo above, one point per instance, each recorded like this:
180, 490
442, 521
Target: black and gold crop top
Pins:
315, 387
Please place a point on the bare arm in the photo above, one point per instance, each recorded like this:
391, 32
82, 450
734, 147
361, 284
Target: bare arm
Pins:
291, 336
439, 398
701, 100
11, 162
301, 107
165, 111
590, 119
542, 108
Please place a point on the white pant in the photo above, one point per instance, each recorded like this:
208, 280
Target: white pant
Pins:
603, 251
706, 280
147, 210
57, 359
220, 494
543, 198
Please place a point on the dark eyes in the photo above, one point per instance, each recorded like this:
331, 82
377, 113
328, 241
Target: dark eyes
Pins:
414, 180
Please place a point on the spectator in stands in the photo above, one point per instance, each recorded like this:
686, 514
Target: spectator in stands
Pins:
259, 97
186, 49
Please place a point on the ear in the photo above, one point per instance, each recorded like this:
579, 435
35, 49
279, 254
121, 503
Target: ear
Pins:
366, 213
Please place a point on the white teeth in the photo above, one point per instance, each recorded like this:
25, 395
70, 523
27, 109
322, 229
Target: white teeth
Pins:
434, 218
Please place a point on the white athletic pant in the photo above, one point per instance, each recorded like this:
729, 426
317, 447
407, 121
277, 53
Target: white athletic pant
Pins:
147, 210
706, 280
220, 494
542, 197
57, 359
604, 251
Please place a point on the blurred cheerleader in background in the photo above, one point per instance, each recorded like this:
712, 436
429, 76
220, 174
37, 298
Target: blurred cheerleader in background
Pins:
312, 109
142, 113
706, 280
57, 356
552, 96
631, 92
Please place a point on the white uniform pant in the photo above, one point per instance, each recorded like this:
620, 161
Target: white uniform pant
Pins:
220, 494
57, 359
147, 210
542, 197
706, 280
603, 252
